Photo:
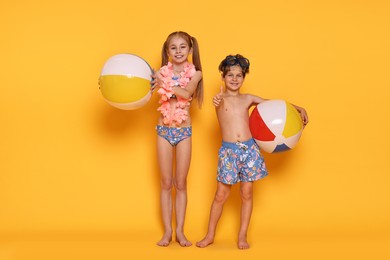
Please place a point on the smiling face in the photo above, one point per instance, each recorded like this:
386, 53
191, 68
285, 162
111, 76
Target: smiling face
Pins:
178, 50
234, 78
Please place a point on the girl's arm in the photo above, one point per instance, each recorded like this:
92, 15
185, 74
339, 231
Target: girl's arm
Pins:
153, 81
156, 81
188, 91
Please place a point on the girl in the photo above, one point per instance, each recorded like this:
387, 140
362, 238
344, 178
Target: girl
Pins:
179, 81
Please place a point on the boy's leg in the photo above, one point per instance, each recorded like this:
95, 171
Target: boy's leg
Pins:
183, 159
164, 151
246, 191
221, 195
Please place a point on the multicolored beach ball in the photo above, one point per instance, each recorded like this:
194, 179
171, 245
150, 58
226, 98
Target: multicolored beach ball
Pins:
275, 125
125, 81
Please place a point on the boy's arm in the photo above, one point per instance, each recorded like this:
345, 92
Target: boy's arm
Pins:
218, 99
254, 100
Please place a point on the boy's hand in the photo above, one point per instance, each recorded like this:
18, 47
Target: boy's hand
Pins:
304, 116
218, 99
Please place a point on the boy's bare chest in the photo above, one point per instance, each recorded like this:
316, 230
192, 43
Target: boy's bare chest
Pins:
234, 108
234, 104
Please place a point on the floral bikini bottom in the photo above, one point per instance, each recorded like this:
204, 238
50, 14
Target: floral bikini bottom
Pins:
174, 135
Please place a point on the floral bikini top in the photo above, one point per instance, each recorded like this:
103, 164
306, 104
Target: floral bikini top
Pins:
169, 80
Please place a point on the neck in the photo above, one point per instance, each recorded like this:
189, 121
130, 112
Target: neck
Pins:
232, 92
178, 66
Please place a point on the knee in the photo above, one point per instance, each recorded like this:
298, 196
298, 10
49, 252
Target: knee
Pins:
180, 185
221, 197
166, 184
246, 195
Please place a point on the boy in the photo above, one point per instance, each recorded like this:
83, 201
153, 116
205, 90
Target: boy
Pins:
240, 159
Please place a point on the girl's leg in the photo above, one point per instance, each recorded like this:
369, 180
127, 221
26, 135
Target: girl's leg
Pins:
221, 195
183, 159
165, 156
246, 191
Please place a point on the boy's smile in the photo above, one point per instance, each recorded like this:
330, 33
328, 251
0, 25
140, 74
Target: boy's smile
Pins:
234, 78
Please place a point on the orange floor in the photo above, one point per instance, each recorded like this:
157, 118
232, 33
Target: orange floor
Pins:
126, 246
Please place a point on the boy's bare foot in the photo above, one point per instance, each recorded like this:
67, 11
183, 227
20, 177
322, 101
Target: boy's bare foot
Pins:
205, 242
165, 240
182, 240
242, 243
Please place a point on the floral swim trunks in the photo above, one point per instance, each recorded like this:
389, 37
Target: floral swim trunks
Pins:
241, 161
174, 135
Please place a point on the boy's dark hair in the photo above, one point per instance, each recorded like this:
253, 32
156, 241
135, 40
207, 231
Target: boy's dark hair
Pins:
234, 60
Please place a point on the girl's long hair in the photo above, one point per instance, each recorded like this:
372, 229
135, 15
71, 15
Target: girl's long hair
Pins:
192, 43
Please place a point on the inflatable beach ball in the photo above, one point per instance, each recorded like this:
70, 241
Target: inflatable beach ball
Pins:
125, 81
275, 125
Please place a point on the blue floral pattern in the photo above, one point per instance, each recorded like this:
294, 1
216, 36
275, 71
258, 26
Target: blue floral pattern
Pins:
241, 161
174, 135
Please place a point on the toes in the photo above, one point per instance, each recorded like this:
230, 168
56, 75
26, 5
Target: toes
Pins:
185, 243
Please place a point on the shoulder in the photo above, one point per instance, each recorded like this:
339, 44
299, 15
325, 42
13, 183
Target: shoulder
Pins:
197, 75
253, 99
248, 97
164, 70
198, 72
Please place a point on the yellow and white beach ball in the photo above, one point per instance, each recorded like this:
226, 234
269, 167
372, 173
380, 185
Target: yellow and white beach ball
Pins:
125, 81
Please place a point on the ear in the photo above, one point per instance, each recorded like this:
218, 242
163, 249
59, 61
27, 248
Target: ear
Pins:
191, 50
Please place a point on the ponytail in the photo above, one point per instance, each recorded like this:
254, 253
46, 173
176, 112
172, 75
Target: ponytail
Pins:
198, 66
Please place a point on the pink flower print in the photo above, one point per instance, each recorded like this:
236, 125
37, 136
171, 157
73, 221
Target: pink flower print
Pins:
166, 70
183, 82
189, 70
228, 165
182, 103
180, 115
251, 163
229, 178
164, 108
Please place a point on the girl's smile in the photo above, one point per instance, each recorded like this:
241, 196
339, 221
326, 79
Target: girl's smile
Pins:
178, 50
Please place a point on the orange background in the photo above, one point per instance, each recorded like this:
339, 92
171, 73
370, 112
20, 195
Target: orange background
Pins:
79, 178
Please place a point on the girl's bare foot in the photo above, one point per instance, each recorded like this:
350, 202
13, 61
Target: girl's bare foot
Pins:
165, 240
242, 243
182, 240
208, 240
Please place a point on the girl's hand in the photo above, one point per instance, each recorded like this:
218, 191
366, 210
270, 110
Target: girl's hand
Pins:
218, 99
154, 82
